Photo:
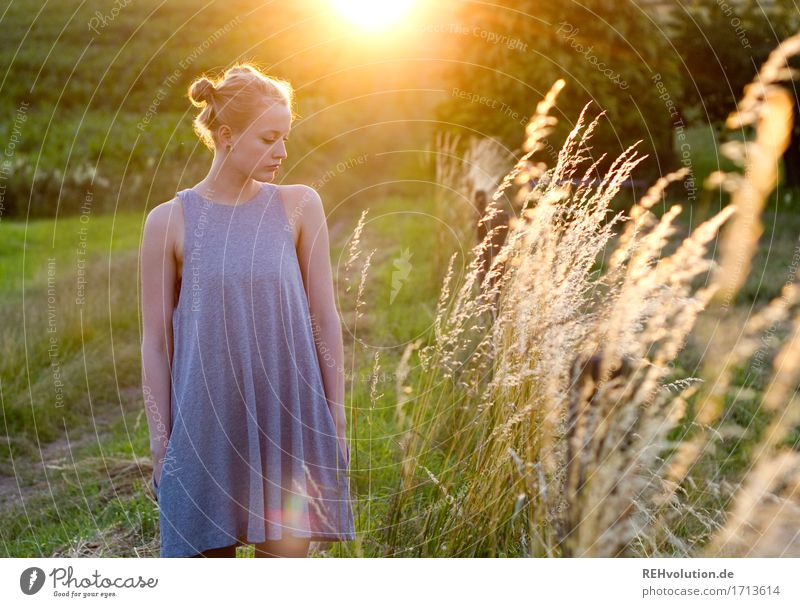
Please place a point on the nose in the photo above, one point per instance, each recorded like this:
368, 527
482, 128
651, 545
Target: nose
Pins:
279, 151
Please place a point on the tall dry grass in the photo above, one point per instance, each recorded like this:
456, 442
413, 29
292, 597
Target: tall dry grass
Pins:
546, 409
764, 519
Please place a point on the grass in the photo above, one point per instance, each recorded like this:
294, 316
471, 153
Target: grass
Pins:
27, 245
94, 500
56, 347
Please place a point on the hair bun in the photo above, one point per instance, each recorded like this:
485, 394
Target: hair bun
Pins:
202, 90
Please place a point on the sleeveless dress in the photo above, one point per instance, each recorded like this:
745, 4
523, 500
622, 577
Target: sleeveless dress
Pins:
253, 452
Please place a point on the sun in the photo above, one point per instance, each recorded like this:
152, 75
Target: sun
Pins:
373, 14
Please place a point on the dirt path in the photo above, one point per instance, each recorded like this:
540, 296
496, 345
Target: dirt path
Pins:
33, 477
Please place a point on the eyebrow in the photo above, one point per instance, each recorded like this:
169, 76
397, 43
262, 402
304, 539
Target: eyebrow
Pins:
272, 131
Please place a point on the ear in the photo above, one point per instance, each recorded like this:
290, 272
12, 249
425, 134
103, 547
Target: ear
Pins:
225, 135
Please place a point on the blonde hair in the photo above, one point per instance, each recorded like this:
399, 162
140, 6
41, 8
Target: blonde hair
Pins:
234, 99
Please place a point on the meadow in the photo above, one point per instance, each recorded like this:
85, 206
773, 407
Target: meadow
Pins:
621, 382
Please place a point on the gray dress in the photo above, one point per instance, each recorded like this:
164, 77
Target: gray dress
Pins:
253, 452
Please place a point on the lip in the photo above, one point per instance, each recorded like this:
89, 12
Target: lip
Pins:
273, 167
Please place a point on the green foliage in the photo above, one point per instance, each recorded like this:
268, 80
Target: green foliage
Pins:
607, 52
720, 47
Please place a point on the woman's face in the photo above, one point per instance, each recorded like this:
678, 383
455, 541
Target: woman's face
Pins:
259, 150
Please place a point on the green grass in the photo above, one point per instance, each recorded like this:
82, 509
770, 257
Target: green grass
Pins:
26, 246
96, 499
51, 335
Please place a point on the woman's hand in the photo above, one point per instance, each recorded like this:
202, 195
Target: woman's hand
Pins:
340, 424
158, 464
344, 448
341, 435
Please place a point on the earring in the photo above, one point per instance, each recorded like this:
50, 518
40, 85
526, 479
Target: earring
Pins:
229, 147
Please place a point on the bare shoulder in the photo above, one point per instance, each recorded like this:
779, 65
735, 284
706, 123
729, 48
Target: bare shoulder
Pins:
164, 224
302, 204
162, 215
299, 194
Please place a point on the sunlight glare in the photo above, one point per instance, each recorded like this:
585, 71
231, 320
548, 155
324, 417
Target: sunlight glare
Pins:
372, 14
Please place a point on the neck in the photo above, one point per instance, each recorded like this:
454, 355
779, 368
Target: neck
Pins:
225, 185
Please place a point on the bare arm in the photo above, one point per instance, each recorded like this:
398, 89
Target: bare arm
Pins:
158, 271
313, 252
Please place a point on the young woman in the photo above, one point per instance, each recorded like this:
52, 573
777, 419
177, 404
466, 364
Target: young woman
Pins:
242, 356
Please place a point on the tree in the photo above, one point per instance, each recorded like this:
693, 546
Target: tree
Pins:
609, 52
721, 46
